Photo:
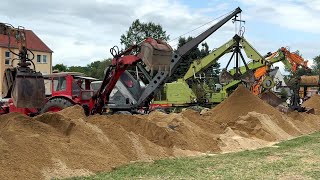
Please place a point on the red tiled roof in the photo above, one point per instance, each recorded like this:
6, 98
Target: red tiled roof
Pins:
34, 43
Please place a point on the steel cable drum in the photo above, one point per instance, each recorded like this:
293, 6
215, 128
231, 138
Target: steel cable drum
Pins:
28, 89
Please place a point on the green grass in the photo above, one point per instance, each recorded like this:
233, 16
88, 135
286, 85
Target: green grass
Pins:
294, 159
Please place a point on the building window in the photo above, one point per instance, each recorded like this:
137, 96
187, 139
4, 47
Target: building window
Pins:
44, 59
7, 58
38, 58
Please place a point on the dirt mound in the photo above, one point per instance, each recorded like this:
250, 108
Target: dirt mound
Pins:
313, 102
240, 103
33, 146
231, 141
169, 131
67, 143
260, 126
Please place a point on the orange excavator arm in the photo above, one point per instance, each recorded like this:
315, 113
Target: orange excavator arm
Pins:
291, 60
295, 60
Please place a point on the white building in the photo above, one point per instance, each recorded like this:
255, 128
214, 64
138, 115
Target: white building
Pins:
278, 79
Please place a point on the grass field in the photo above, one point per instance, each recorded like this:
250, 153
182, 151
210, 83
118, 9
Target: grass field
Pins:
294, 159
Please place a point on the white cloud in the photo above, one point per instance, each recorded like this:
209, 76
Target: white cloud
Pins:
299, 18
82, 31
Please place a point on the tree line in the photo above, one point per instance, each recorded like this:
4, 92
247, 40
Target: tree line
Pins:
137, 32
94, 69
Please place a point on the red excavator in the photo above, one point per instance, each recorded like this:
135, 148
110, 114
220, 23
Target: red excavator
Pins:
156, 60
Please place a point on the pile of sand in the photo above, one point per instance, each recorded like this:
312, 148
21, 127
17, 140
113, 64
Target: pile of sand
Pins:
67, 143
229, 113
250, 117
313, 102
41, 147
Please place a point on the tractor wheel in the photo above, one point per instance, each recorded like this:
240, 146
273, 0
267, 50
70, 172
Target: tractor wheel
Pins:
160, 110
56, 104
86, 109
123, 112
195, 108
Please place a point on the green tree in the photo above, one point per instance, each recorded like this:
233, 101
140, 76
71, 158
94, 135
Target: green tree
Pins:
80, 69
283, 93
316, 65
138, 31
96, 69
196, 54
60, 67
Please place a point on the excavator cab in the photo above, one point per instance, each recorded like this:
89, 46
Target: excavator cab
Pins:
24, 85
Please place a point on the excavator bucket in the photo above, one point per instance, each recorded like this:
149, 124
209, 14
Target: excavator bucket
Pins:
302, 109
270, 98
310, 111
225, 77
248, 77
25, 87
156, 54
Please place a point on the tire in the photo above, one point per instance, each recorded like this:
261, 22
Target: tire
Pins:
55, 105
160, 110
123, 112
195, 108
86, 109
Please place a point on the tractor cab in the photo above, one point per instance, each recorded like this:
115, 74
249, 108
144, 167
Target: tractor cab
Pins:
71, 84
65, 89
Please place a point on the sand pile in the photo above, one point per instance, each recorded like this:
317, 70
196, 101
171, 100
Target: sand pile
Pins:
67, 143
171, 131
240, 103
37, 148
313, 102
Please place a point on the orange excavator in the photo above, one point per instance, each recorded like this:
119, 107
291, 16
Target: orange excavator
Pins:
264, 82
291, 61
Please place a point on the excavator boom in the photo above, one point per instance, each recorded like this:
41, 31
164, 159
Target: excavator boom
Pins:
291, 60
160, 65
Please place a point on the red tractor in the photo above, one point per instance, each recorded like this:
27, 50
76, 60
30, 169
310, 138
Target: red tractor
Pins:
66, 89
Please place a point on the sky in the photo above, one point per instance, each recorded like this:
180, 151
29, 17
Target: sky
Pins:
80, 32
